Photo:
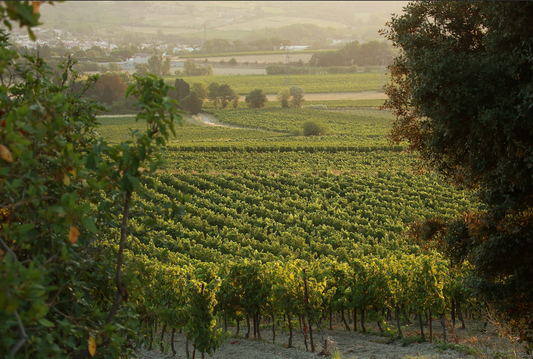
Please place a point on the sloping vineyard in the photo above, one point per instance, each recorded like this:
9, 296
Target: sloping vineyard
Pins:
240, 252
274, 221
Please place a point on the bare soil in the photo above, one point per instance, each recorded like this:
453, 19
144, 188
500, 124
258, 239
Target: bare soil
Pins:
473, 342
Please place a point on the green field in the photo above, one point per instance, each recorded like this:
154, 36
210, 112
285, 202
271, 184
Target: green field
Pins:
272, 84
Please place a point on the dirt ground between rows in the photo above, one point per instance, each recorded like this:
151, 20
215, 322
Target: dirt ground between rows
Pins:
351, 345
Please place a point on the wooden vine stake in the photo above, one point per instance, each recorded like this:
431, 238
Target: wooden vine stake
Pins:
308, 316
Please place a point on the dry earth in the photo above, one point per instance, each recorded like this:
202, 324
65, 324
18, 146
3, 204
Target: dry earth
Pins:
351, 345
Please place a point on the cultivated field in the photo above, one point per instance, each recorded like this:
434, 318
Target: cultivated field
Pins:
263, 195
273, 84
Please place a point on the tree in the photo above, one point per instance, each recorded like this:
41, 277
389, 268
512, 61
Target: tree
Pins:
78, 53
124, 54
113, 66
91, 54
460, 93
166, 67
183, 89
256, 99
155, 65
226, 95
116, 87
277, 42
352, 53
62, 189
297, 94
262, 44
313, 128
192, 103
142, 69
106, 96
200, 88
206, 70
44, 51
284, 97
235, 100
189, 68
212, 93
232, 61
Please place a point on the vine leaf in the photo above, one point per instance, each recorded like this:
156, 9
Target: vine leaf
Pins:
73, 234
35, 5
66, 179
92, 346
5, 153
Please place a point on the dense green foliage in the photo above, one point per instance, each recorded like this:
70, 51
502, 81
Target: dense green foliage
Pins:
256, 99
461, 91
64, 207
313, 128
353, 53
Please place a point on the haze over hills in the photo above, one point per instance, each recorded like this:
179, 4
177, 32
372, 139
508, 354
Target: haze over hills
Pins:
194, 22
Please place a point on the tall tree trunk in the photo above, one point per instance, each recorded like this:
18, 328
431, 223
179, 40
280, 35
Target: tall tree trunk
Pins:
354, 319
460, 314
254, 319
398, 322
378, 322
151, 336
290, 329
363, 328
248, 324
443, 324
421, 326
406, 316
258, 325
308, 313
330, 319
238, 326
172, 342
453, 313
162, 342
304, 331
344, 320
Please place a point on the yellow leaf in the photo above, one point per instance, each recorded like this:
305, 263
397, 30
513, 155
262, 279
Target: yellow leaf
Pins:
72, 172
73, 234
92, 346
5, 153
66, 179
36, 5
